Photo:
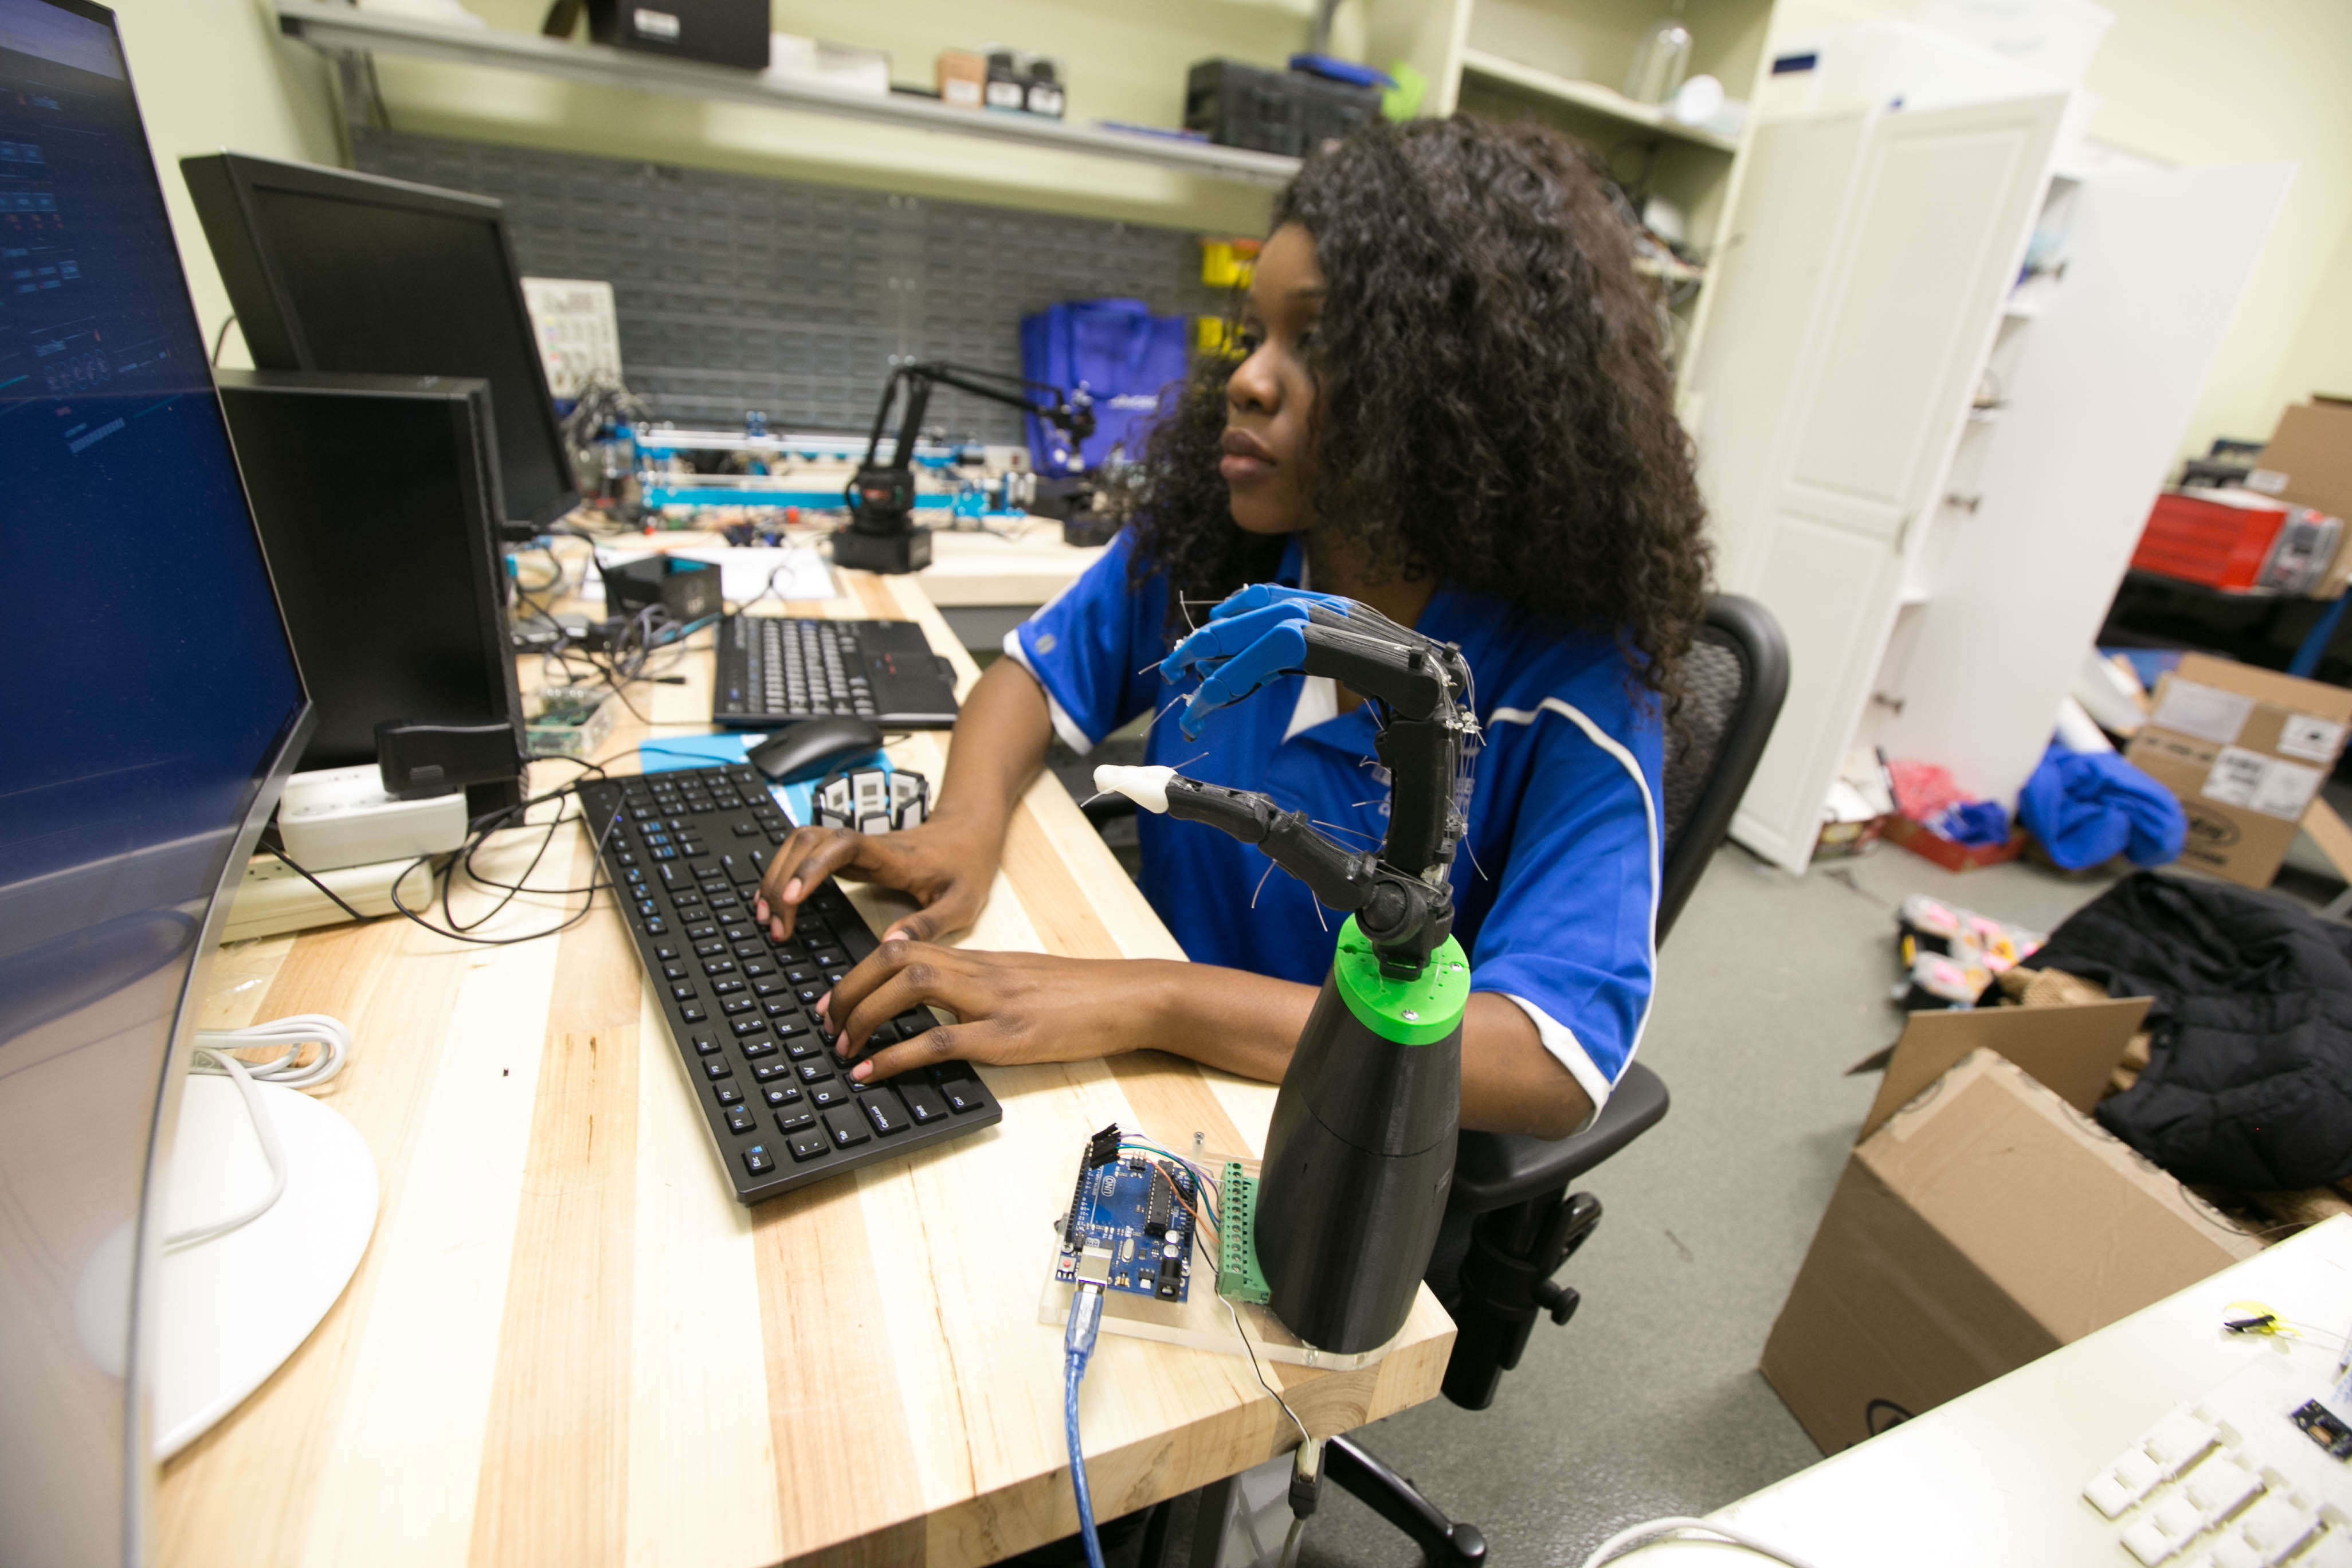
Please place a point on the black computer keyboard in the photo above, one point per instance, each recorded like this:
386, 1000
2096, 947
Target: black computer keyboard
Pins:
686, 850
773, 670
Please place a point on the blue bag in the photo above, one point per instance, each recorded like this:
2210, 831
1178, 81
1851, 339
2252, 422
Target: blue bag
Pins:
2088, 807
1121, 355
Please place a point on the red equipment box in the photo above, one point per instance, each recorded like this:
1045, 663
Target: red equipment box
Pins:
2219, 538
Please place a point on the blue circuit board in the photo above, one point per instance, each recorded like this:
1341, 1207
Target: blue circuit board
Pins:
1128, 1209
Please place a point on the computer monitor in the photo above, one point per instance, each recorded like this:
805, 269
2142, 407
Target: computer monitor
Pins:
150, 710
330, 270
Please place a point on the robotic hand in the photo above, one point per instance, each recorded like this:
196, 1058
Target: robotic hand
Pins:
1420, 689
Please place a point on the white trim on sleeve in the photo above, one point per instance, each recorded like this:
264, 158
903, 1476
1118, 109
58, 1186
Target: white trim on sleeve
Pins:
1611, 744
1561, 1042
1064, 726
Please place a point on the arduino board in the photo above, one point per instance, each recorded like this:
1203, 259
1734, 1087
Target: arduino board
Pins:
1127, 1208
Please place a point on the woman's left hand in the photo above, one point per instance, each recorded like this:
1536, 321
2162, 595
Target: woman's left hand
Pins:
1011, 1006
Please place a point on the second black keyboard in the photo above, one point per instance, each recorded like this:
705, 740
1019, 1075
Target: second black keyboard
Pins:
686, 850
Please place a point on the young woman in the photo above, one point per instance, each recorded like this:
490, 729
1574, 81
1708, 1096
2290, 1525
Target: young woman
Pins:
1452, 406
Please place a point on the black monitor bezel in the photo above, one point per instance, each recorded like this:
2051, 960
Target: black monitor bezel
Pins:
265, 314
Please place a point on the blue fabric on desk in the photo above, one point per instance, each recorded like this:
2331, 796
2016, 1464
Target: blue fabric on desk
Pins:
2088, 807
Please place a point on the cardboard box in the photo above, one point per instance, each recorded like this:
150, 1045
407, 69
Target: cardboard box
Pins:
1978, 1227
2309, 461
2245, 750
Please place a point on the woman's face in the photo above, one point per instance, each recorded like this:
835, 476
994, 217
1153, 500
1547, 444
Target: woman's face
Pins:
1271, 393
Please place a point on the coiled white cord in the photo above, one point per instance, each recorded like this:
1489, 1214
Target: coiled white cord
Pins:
1619, 1544
211, 1055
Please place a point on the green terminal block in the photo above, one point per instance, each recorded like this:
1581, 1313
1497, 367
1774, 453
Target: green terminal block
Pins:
1238, 1274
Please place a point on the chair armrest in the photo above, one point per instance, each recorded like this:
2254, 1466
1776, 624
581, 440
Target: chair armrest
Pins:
1494, 1170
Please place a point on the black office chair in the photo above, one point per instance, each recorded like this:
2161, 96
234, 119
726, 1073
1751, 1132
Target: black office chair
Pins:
1512, 1222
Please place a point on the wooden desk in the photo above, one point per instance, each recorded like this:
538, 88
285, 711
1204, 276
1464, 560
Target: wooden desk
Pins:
567, 1344
1029, 568
1023, 564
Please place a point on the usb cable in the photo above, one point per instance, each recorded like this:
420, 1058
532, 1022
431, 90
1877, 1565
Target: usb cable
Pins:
1077, 1348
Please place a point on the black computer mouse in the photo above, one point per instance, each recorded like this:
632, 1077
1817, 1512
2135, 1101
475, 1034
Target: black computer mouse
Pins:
809, 749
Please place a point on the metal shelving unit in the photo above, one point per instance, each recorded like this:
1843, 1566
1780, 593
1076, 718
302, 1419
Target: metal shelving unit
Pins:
334, 27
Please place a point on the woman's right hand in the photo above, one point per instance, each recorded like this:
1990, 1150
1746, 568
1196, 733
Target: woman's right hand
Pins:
945, 866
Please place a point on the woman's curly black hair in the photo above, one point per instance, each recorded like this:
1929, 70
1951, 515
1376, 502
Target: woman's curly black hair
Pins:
1492, 402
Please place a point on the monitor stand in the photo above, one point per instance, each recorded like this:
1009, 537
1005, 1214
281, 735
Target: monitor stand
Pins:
232, 1310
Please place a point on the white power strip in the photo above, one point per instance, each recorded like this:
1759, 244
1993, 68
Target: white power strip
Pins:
335, 818
273, 898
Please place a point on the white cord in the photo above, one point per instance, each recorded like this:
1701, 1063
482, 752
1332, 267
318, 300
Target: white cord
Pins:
211, 1055
1617, 1545
333, 1039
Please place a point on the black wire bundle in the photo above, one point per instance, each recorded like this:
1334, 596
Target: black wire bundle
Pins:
448, 866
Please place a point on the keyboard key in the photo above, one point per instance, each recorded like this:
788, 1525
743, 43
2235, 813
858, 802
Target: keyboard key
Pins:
830, 958
716, 1069
915, 1023
666, 954
718, 966
803, 974
693, 1012
756, 966
727, 988
745, 829
830, 1092
885, 1113
810, 995
808, 1144
739, 1120
815, 1070
780, 1007
846, 1127
923, 1102
730, 1095
768, 987
684, 993
792, 1121
766, 1072
709, 949
743, 1027
701, 931
677, 972
703, 1046
754, 1050
751, 950
777, 1094
758, 1161
734, 1005
738, 868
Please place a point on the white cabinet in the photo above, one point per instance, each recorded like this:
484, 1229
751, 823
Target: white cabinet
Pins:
1853, 304
2096, 370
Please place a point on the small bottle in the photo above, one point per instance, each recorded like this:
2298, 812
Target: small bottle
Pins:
1660, 59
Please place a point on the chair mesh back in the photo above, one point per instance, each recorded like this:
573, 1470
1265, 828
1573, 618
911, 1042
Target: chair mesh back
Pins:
1715, 683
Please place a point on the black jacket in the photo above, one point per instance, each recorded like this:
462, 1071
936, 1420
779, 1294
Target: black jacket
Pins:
2249, 1081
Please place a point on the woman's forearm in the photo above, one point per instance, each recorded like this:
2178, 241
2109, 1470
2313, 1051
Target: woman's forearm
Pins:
1248, 1024
998, 747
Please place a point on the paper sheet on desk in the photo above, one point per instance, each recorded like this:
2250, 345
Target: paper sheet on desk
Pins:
798, 571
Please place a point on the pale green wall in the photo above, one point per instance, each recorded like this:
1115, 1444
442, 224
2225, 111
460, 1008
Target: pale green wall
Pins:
212, 73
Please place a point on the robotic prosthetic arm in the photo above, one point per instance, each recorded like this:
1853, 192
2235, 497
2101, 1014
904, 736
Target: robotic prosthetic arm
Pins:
1359, 1150
1401, 898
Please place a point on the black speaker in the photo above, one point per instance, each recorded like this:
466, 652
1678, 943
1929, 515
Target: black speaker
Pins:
375, 499
723, 32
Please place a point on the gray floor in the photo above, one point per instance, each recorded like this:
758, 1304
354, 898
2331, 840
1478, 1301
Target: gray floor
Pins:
1649, 1403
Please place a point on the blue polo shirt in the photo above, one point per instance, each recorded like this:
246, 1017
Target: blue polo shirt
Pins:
1555, 883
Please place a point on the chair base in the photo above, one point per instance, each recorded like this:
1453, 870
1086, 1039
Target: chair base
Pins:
1393, 1497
